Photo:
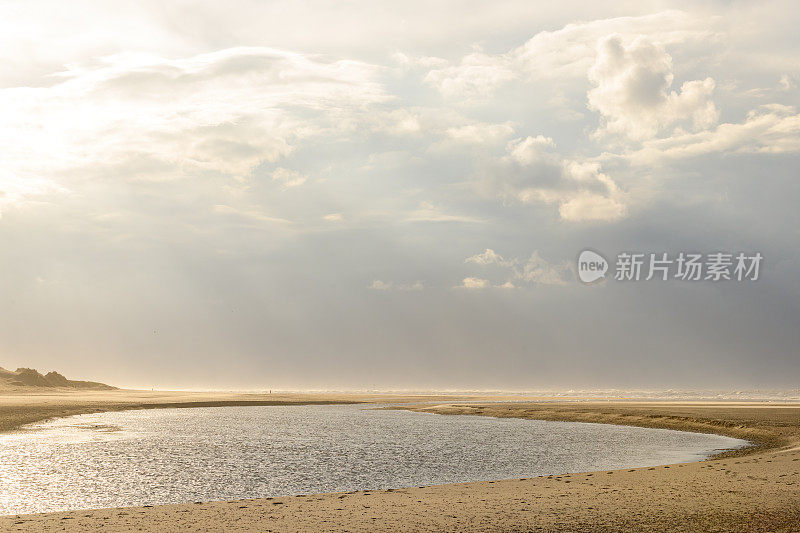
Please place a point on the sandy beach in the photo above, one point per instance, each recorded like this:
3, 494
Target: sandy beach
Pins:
522, 254
757, 489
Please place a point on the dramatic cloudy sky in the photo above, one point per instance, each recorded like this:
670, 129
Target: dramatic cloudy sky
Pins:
393, 194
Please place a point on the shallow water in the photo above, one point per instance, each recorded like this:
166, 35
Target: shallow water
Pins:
183, 455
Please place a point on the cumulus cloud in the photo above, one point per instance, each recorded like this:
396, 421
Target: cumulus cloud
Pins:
570, 51
489, 257
533, 270
632, 91
585, 207
235, 109
474, 283
437, 127
533, 172
566, 53
530, 150
477, 75
769, 129
537, 270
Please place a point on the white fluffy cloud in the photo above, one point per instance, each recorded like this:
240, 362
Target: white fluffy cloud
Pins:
566, 53
570, 51
586, 207
633, 92
648, 79
159, 118
533, 172
770, 129
477, 75
146, 117
474, 283
533, 270
489, 257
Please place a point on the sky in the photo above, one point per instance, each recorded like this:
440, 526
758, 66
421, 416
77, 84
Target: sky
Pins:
393, 195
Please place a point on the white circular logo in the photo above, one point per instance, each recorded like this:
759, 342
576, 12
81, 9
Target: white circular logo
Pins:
591, 266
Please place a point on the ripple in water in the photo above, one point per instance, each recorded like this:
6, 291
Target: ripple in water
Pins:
183, 455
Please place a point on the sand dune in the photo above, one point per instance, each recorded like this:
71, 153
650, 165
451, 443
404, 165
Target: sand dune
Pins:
25, 378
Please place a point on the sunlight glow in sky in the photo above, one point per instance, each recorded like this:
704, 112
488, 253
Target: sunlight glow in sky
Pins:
288, 194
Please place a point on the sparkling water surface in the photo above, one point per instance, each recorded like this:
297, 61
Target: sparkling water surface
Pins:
183, 455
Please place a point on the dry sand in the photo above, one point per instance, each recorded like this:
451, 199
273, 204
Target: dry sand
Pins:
754, 490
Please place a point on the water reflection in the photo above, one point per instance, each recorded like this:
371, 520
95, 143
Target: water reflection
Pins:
179, 455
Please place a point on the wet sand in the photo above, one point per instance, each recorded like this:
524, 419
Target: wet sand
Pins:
21, 406
757, 489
